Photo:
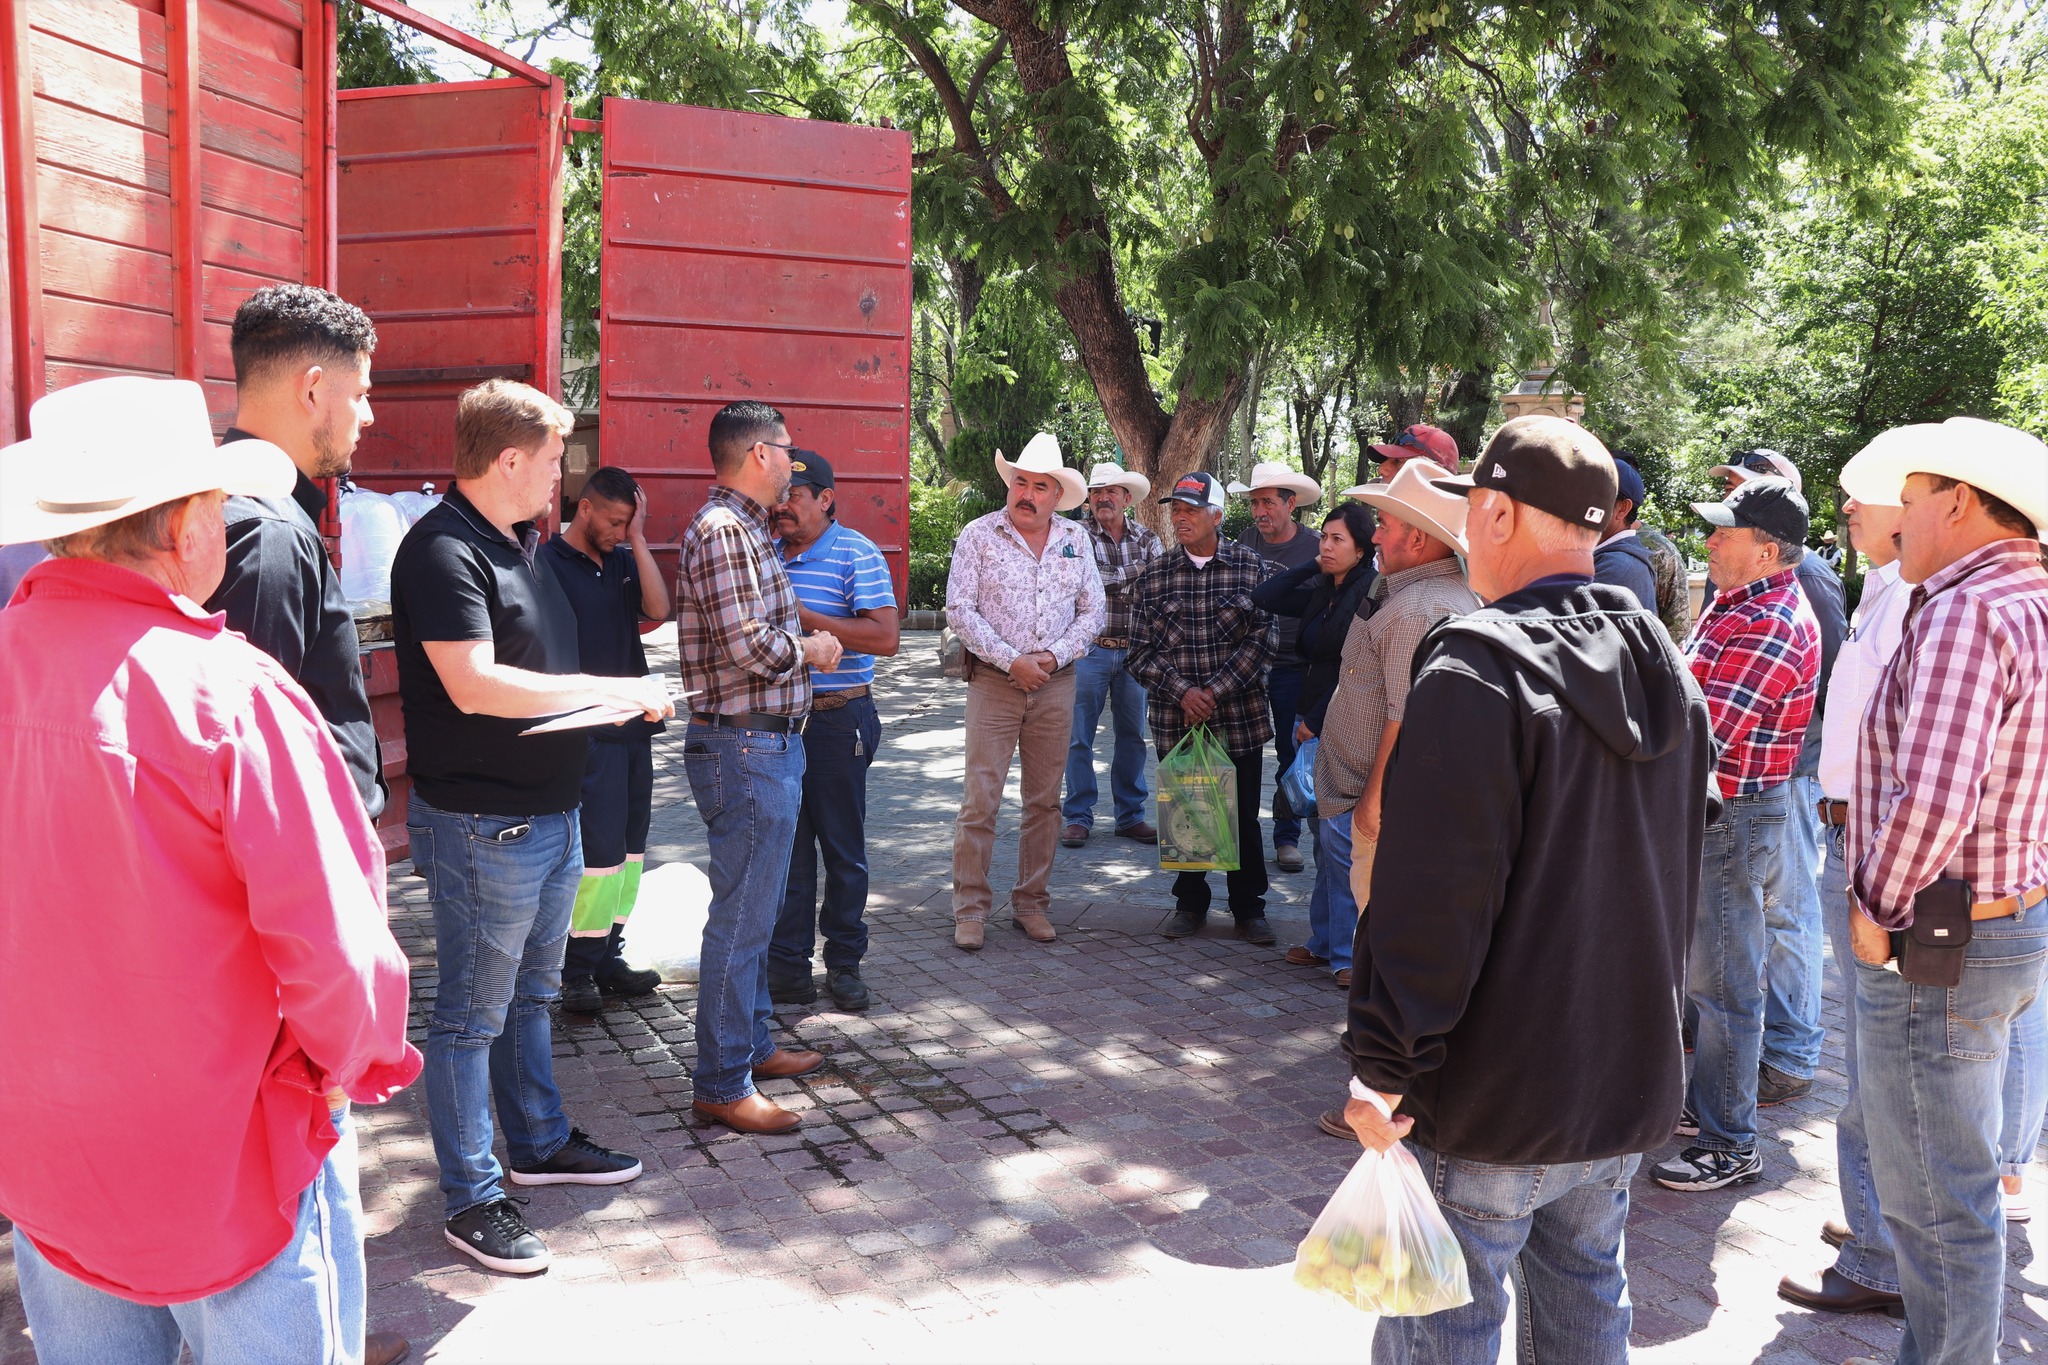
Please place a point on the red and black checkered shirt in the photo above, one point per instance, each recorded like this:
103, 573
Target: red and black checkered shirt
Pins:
1756, 654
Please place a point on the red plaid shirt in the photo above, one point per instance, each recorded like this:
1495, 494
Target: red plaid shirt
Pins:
1756, 654
1952, 771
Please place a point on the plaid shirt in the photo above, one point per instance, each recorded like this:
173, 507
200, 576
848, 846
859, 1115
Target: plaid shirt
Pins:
1952, 773
736, 621
1120, 562
1756, 654
1195, 627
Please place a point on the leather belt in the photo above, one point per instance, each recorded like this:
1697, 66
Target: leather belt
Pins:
1834, 814
832, 701
2010, 905
753, 720
1113, 641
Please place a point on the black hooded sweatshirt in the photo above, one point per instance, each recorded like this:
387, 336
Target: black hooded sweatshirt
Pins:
1520, 970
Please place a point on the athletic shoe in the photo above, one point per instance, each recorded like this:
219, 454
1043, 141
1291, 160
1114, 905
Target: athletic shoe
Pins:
1703, 1168
579, 1162
1688, 1123
496, 1235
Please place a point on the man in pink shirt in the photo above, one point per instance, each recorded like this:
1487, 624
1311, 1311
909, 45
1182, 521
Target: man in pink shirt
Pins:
189, 799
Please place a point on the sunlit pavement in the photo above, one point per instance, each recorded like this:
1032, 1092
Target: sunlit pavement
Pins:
1097, 1149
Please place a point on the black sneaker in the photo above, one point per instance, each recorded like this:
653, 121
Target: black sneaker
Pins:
1256, 930
581, 996
496, 1235
792, 990
846, 988
579, 1162
1688, 1123
1775, 1087
1184, 923
1703, 1168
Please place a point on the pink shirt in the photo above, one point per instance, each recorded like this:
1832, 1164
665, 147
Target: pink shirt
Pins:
180, 828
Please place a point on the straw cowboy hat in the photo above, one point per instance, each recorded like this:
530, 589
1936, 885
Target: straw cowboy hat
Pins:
1412, 497
2003, 461
1271, 475
1042, 456
1116, 476
109, 448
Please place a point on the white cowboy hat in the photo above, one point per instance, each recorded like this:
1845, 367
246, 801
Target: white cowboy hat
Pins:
1116, 476
1273, 475
2003, 461
109, 448
1041, 455
1415, 499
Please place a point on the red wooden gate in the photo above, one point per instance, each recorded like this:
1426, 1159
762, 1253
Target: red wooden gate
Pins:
747, 256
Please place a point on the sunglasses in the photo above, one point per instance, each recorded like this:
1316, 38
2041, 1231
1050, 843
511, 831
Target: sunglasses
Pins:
1756, 461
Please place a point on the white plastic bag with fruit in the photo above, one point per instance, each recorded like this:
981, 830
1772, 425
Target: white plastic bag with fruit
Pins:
1381, 1243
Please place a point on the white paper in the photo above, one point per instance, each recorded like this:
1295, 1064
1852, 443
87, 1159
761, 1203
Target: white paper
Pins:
595, 715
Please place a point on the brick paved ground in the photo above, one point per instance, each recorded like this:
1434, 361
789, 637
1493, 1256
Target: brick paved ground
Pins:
1102, 1148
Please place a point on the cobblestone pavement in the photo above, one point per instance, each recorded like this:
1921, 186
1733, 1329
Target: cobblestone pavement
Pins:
1102, 1148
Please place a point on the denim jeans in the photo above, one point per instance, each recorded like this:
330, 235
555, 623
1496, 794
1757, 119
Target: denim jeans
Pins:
502, 902
749, 786
832, 822
306, 1304
1557, 1232
1792, 977
1332, 913
1868, 1257
1098, 676
1744, 868
2026, 1087
1932, 1072
1283, 692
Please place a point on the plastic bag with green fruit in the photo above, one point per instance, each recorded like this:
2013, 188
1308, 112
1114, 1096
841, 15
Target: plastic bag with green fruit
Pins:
1198, 806
1381, 1243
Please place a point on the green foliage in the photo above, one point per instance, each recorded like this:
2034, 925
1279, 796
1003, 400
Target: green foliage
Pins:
370, 51
937, 515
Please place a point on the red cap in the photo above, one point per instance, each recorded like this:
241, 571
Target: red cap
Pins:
1425, 440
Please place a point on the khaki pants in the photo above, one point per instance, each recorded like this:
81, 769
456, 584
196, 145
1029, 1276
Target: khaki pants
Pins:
1003, 721
1361, 870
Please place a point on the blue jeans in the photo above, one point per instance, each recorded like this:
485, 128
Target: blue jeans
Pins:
1868, 1258
1332, 913
2026, 1087
1744, 868
1557, 1231
749, 786
1098, 676
501, 922
306, 1304
1932, 1072
1283, 691
1792, 978
838, 748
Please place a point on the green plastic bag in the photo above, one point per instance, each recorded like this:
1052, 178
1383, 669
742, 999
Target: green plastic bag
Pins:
1197, 806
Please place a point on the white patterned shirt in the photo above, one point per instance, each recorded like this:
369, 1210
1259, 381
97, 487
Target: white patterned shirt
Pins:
1003, 601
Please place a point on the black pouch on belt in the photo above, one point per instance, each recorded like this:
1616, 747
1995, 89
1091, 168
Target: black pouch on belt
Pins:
1931, 952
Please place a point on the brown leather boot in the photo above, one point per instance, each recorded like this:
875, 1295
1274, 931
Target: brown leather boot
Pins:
754, 1114
785, 1063
385, 1348
1035, 925
967, 933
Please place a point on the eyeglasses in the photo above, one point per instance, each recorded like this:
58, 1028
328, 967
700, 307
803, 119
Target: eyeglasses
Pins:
795, 452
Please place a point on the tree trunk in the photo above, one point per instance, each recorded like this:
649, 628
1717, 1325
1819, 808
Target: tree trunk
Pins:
1462, 407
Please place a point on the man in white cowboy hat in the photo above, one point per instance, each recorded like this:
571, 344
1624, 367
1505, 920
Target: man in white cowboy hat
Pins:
192, 811
1948, 845
1123, 547
1276, 493
1026, 601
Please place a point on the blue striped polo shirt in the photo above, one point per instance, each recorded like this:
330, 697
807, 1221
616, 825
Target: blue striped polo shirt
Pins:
842, 573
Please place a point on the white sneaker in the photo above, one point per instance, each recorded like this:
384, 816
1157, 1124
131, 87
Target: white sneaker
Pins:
2017, 1209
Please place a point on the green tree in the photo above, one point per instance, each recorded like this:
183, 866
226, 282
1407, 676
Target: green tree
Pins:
370, 51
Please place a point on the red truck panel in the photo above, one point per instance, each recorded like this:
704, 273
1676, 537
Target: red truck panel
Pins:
747, 256
449, 199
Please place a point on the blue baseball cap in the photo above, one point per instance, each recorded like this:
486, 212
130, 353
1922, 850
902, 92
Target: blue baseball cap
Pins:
1629, 483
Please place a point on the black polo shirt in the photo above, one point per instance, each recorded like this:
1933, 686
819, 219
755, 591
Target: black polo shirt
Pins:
606, 599
457, 577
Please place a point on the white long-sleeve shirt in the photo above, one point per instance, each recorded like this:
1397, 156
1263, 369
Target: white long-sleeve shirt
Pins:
1868, 647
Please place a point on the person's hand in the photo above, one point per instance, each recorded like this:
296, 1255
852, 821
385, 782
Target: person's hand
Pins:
649, 695
1376, 1131
1027, 671
1867, 941
822, 650
636, 529
1197, 704
1365, 819
1302, 734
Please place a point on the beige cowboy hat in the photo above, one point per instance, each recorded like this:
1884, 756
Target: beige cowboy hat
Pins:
1041, 455
1116, 476
2003, 461
109, 448
1411, 496
1270, 474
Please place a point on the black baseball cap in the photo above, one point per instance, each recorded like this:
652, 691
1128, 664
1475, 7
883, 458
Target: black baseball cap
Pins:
1199, 489
1553, 465
808, 466
1767, 503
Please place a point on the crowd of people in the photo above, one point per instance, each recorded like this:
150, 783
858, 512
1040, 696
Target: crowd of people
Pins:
1562, 833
